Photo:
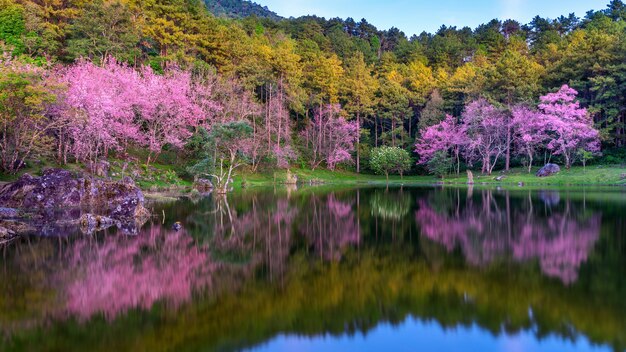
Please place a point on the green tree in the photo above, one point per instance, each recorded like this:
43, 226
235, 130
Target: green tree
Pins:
12, 25
513, 79
386, 160
439, 164
433, 112
24, 95
228, 143
358, 91
104, 29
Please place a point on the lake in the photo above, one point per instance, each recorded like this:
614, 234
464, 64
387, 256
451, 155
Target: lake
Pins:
331, 269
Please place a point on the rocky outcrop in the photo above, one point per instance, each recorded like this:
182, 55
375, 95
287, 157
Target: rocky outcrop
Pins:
548, 170
57, 189
61, 194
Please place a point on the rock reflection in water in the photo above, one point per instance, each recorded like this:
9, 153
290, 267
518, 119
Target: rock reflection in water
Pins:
490, 228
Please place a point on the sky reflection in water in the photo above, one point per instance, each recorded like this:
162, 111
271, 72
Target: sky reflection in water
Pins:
413, 335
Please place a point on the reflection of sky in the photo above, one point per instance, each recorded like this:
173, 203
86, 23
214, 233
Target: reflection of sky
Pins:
415, 335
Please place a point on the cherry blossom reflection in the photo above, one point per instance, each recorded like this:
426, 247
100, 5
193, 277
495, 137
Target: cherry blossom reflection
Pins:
330, 227
265, 233
260, 236
561, 243
491, 228
124, 273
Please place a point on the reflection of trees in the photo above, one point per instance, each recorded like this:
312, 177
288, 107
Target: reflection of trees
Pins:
107, 274
367, 288
489, 228
330, 226
390, 205
264, 233
381, 282
123, 273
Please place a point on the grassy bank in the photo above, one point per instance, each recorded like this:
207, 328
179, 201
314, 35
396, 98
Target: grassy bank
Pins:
593, 175
167, 176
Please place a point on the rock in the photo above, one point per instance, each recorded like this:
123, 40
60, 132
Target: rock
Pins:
548, 170
622, 177
90, 223
10, 229
60, 189
500, 178
203, 185
8, 213
520, 184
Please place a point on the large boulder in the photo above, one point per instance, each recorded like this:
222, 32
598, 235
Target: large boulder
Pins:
548, 170
62, 189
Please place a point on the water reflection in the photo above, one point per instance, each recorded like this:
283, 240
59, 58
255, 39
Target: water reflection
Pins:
307, 262
118, 274
488, 228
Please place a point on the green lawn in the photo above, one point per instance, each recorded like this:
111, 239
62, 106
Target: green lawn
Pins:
592, 175
165, 176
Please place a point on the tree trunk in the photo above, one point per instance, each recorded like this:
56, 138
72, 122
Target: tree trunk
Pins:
508, 146
358, 142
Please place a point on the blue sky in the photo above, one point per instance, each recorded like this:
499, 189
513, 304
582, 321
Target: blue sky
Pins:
415, 16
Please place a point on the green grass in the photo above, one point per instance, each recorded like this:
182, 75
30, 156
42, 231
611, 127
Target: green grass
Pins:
592, 175
166, 175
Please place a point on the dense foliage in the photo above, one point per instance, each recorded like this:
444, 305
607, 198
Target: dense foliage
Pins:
386, 160
107, 75
239, 9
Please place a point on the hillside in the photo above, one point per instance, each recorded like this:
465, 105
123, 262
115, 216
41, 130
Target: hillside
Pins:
239, 9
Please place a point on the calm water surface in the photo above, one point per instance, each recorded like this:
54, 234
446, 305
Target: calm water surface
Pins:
331, 269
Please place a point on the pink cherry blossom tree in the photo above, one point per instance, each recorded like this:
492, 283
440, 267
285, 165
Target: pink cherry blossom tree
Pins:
530, 132
113, 105
571, 126
448, 136
486, 129
168, 109
101, 101
330, 137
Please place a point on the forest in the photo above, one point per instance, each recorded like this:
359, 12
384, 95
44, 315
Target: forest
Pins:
86, 81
